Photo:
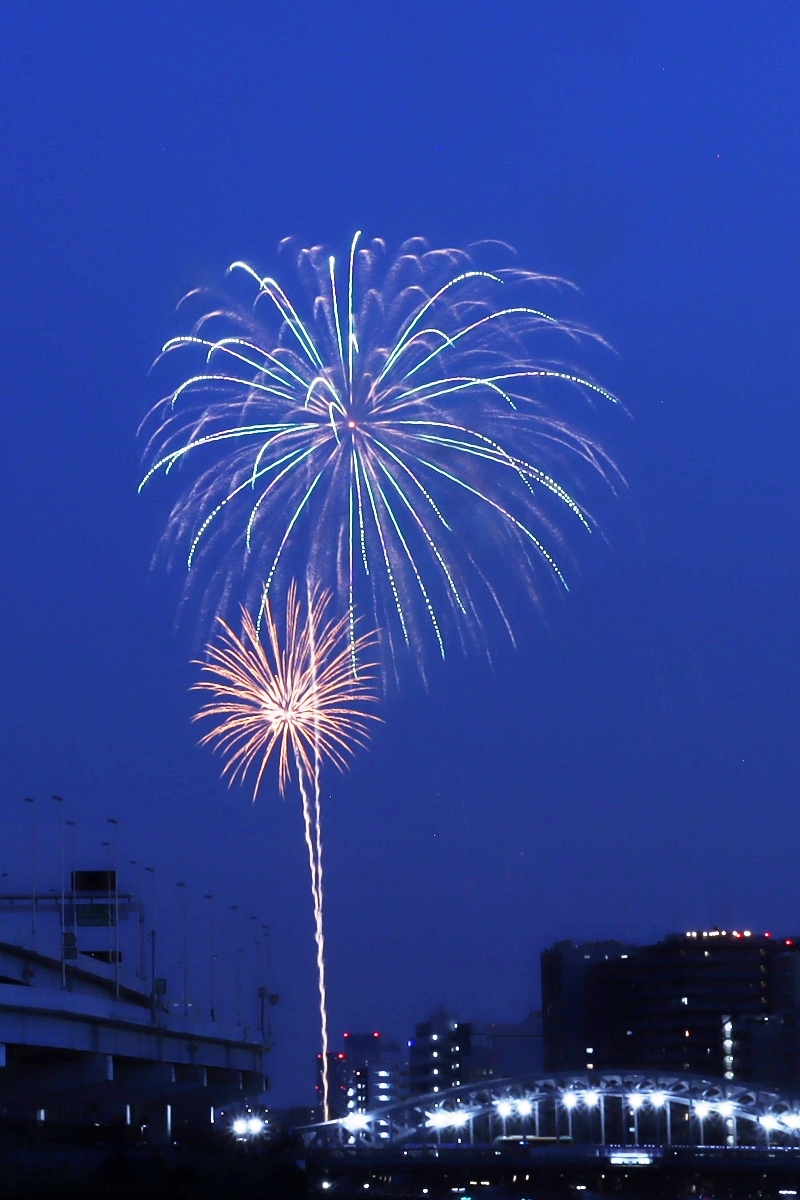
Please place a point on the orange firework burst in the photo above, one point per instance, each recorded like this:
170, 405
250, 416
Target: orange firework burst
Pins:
300, 698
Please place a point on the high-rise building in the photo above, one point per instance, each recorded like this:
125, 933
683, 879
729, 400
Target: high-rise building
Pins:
566, 1019
438, 1053
501, 1050
446, 1053
714, 1002
368, 1073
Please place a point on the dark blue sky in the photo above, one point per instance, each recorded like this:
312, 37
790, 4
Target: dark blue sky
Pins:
633, 767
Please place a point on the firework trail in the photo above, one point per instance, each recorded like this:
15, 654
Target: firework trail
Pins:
399, 432
298, 699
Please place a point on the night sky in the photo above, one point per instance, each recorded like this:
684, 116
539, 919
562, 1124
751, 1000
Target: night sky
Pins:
631, 768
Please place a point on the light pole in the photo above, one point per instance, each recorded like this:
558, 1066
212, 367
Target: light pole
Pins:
151, 871
60, 802
30, 800
113, 858
569, 1100
182, 886
210, 898
701, 1111
268, 976
140, 967
635, 1100
235, 911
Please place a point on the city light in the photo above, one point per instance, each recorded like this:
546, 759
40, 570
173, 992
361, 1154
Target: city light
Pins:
443, 1118
504, 1108
355, 1122
591, 1099
569, 1099
244, 1127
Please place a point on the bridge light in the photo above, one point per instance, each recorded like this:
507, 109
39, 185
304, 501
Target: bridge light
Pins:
441, 1118
355, 1122
569, 1099
658, 1099
702, 1109
524, 1108
504, 1108
590, 1099
725, 1109
768, 1122
636, 1100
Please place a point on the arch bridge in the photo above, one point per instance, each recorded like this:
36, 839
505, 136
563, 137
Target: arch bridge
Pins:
611, 1108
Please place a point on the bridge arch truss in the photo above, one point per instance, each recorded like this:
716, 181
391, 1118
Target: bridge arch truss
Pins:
612, 1108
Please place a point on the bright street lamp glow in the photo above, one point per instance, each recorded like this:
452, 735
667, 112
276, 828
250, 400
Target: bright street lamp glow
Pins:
725, 1109
658, 1099
636, 1100
355, 1122
255, 1125
504, 1108
524, 1108
768, 1122
444, 1118
702, 1109
240, 1127
590, 1099
569, 1099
